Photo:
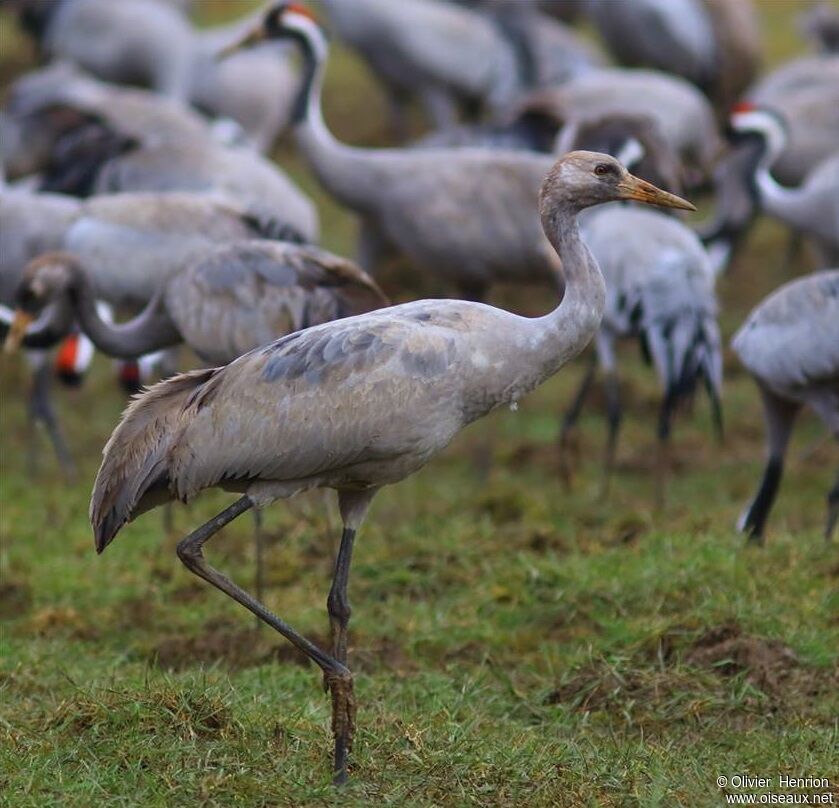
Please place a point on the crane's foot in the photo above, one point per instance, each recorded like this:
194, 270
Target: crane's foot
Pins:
340, 684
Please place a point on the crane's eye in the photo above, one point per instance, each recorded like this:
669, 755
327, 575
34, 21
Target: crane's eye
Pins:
602, 168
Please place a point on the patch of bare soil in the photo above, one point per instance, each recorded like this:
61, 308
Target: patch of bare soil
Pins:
61, 620
686, 674
728, 651
15, 599
136, 613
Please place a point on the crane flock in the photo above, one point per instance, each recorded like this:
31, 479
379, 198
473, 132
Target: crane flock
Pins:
162, 202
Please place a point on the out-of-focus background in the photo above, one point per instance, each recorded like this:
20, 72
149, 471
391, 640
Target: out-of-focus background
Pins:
517, 642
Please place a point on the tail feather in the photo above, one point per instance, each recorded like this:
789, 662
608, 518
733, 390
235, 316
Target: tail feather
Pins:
687, 351
134, 474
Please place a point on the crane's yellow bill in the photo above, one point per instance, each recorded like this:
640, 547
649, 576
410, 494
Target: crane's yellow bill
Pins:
17, 330
642, 191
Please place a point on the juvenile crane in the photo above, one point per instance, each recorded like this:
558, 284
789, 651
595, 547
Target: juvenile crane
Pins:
790, 345
353, 405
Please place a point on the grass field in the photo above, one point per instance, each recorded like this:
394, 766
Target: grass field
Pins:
515, 643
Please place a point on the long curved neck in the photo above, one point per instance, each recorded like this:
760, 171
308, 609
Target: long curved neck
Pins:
775, 199
568, 329
151, 330
342, 169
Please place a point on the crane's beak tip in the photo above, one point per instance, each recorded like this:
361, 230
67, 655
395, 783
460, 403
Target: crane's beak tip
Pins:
17, 330
640, 190
251, 38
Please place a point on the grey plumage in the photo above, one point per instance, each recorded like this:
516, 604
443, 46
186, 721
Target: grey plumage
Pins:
131, 243
431, 49
811, 209
660, 290
712, 43
681, 113
223, 302
790, 345
146, 43
44, 105
805, 93
468, 216
353, 405
110, 140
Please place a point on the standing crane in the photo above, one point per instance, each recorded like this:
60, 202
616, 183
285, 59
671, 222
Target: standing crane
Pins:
659, 289
227, 301
790, 345
352, 405
804, 92
412, 202
811, 209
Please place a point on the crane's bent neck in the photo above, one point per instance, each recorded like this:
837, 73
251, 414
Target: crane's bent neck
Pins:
340, 168
775, 199
149, 331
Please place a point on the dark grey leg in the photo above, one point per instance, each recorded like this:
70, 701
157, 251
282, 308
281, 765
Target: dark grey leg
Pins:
780, 417
569, 420
832, 510
613, 418
338, 604
259, 553
337, 675
665, 420
41, 409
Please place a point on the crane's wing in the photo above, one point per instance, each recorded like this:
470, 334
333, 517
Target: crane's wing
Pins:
326, 401
792, 338
247, 294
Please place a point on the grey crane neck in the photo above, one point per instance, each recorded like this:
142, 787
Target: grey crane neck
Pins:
151, 330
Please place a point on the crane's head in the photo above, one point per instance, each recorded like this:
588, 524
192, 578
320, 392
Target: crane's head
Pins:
581, 179
45, 279
283, 20
748, 121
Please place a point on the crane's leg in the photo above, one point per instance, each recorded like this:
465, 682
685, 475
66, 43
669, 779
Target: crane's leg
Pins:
337, 675
779, 415
259, 553
832, 510
569, 422
353, 506
665, 419
373, 251
614, 414
337, 603
41, 409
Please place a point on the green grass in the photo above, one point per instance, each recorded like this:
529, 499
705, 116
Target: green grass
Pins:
514, 643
